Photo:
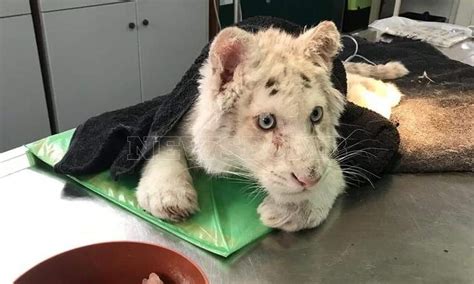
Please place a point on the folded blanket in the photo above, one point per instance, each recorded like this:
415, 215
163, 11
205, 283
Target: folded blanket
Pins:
117, 139
436, 117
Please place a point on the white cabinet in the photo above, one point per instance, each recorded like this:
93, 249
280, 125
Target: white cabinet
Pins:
23, 112
9, 8
53, 5
109, 56
171, 35
93, 61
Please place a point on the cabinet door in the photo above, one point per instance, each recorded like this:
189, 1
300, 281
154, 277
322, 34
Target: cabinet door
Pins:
23, 112
177, 30
52, 5
10, 8
93, 61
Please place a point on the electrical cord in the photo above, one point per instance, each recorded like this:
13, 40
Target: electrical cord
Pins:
354, 54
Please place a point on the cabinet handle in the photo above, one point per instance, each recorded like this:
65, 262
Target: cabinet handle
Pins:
146, 22
131, 26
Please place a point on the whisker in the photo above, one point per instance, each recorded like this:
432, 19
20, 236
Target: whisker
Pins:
361, 169
344, 156
358, 174
356, 144
344, 139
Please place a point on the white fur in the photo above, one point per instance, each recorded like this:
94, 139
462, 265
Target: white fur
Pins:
388, 71
221, 133
306, 212
165, 188
373, 94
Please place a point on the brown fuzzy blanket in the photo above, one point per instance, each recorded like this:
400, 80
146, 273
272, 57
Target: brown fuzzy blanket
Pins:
436, 117
436, 131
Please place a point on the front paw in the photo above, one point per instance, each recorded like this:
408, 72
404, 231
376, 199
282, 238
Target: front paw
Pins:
290, 217
174, 203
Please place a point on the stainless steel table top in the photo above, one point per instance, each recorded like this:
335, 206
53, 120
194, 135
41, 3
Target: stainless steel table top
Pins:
411, 229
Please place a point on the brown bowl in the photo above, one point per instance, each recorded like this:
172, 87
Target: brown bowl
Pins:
115, 262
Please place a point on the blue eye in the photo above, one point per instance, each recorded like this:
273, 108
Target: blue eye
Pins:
316, 115
266, 121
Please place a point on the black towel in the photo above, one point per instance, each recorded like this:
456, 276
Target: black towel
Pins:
116, 139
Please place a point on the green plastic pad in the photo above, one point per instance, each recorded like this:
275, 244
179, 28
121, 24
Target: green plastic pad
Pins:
226, 222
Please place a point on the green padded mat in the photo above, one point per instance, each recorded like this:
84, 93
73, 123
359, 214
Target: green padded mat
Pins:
226, 222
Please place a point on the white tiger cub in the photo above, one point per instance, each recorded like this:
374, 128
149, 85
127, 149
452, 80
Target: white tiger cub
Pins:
266, 110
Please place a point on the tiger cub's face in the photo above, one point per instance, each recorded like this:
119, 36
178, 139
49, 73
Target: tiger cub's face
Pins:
268, 108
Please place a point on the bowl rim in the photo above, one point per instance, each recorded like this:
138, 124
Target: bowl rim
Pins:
201, 271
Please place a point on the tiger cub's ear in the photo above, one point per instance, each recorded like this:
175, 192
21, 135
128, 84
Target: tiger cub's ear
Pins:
321, 43
227, 51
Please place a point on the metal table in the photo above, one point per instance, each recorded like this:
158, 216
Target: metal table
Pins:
412, 228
